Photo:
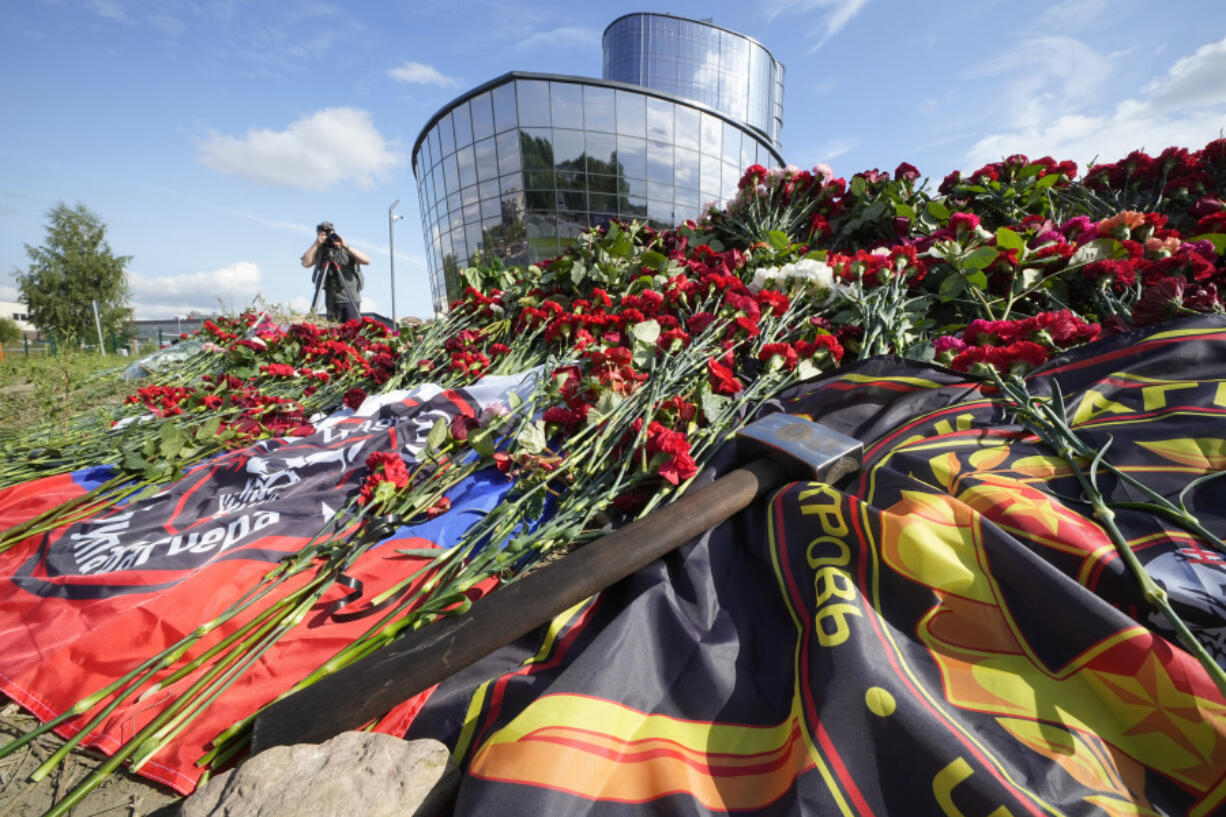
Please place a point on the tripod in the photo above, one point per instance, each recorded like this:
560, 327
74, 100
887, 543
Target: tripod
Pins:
329, 266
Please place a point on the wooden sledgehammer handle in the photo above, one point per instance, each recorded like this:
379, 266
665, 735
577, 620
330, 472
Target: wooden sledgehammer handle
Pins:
371, 686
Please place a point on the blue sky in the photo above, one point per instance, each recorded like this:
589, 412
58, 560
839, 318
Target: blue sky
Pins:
211, 135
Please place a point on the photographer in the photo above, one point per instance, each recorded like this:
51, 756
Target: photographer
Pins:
337, 272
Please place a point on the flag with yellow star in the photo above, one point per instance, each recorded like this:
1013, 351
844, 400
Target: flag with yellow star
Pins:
952, 631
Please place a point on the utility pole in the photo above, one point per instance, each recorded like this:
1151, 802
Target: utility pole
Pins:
392, 218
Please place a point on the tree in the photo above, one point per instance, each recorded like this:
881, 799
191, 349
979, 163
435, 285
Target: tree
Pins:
10, 332
73, 268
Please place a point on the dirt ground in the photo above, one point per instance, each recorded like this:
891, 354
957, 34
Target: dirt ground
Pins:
122, 795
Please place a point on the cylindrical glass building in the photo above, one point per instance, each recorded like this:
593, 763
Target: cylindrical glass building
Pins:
518, 167
695, 59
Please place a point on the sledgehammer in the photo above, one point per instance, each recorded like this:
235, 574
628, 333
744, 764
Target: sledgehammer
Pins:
781, 446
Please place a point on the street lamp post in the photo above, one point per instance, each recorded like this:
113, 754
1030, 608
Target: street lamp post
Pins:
392, 218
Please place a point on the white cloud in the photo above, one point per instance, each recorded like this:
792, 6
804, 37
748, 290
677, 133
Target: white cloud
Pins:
108, 9
1045, 74
328, 147
1195, 81
836, 14
561, 37
417, 73
229, 288
1185, 107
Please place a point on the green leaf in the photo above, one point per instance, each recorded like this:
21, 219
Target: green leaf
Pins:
208, 428
133, 461
857, 186
712, 404
578, 271
421, 553
384, 492
980, 258
171, 440
1218, 240
1026, 278
1096, 250
938, 211
978, 280
1047, 181
904, 210
608, 401
816, 255
1009, 240
647, 332
953, 286
158, 471
807, 369
778, 240
437, 436
482, 444
654, 259
531, 437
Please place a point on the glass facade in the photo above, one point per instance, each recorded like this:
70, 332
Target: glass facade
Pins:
519, 169
724, 70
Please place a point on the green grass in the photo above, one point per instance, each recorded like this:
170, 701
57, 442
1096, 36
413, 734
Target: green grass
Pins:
56, 388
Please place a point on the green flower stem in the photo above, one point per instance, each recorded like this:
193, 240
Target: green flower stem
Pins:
1050, 426
48, 517
152, 728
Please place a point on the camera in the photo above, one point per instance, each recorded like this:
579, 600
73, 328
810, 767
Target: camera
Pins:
330, 236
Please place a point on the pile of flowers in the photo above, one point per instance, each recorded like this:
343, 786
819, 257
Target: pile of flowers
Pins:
655, 344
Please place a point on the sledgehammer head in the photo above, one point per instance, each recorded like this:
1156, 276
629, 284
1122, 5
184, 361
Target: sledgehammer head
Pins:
807, 449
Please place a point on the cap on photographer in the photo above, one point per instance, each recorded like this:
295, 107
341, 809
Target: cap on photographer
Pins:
337, 272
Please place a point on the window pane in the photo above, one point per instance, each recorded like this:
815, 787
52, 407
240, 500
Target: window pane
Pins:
491, 208
446, 135
659, 190
603, 184
598, 108
634, 207
631, 114
661, 213
467, 165
435, 152
440, 189
632, 155
536, 148
660, 162
600, 150
567, 104
687, 202
487, 159
685, 168
469, 197
483, 116
512, 183
712, 170
687, 133
659, 120
463, 125
732, 175
567, 149
488, 189
508, 152
732, 144
712, 131
451, 174
540, 199
504, 107
533, 102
